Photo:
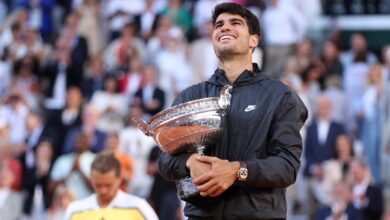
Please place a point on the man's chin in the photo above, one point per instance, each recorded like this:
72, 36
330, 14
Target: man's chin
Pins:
225, 52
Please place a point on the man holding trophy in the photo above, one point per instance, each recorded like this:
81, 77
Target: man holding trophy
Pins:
245, 170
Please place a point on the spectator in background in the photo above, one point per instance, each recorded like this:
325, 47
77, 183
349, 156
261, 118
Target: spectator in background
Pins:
3, 11
36, 162
341, 206
179, 14
201, 53
370, 136
334, 170
310, 85
202, 12
367, 197
108, 200
9, 153
321, 137
119, 13
386, 63
278, 17
130, 81
63, 120
28, 43
174, 68
163, 196
150, 97
356, 63
94, 80
14, 111
385, 121
111, 104
11, 201
38, 197
305, 55
320, 146
358, 47
60, 73
90, 117
26, 78
13, 29
5, 75
126, 162
73, 169
134, 143
77, 44
330, 59
155, 43
146, 22
339, 100
34, 45
40, 16
63, 196
119, 52
89, 27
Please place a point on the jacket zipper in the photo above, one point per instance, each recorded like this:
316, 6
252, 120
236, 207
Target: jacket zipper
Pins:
229, 129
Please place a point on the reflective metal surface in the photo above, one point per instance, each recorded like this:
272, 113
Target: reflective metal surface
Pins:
188, 125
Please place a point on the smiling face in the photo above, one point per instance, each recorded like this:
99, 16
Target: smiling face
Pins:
231, 36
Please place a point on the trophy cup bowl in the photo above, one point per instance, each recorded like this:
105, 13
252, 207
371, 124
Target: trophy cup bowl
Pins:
188, 127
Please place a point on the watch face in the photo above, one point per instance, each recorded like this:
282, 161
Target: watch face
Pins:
243, 173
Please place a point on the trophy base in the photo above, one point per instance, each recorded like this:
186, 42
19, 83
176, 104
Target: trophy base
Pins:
186, 189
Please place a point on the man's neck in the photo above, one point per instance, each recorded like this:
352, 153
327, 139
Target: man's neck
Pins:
104, 204
234, 68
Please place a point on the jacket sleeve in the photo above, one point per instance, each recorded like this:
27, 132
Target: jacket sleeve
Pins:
280, 167
309, 151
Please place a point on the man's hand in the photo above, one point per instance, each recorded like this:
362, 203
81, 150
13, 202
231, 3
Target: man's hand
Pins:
221, 176
196, 167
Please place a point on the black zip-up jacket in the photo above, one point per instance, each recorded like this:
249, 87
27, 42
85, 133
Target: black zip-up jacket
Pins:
262, 129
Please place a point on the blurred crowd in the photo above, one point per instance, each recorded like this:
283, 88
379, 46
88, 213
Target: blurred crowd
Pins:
73, 73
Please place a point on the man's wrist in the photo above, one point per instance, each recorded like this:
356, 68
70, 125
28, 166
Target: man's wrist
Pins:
242, 171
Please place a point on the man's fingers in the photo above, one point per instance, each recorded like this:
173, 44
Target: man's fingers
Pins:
210, 190
206, 159
206, 185
202, 179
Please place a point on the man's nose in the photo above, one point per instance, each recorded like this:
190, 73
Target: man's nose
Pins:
103, 190
225, 27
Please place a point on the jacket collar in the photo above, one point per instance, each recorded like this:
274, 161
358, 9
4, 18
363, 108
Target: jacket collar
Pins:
245, 78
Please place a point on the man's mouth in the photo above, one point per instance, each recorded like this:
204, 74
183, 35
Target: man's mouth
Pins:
226, 37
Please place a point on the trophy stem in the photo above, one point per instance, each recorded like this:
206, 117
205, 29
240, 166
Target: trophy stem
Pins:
200, 149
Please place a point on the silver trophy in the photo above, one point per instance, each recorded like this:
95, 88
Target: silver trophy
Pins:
188, 127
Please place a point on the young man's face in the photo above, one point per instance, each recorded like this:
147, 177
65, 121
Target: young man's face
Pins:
105, 185
231, 36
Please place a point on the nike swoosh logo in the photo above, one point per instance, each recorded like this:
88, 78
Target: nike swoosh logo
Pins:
250, 108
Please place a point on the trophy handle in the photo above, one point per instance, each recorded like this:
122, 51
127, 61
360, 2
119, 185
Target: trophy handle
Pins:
225, 96
142, 125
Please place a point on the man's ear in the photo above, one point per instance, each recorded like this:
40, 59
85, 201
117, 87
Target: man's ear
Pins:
254, 41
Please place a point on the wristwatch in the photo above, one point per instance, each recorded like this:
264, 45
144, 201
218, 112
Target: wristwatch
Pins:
242, 173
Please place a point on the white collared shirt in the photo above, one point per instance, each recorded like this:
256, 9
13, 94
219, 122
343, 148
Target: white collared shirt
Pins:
284, 23
123, 206
323, 130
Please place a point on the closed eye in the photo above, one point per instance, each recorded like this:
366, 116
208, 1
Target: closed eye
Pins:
218, 25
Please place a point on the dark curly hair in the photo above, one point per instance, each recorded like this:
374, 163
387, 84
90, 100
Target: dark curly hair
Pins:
236, 9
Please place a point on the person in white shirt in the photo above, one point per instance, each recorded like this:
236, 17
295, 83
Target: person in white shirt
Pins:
284, 27
108, 202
